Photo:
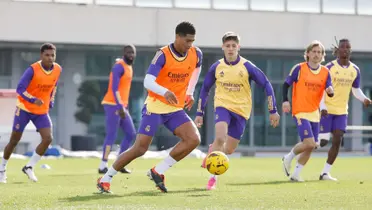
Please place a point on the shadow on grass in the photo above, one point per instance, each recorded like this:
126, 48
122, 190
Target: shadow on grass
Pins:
94, 196
99, 196
158, 193
271, 183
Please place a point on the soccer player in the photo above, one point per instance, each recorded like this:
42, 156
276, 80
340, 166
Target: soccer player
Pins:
36, 91
170, 81
115, 104
233, 102
345, 79
309, 80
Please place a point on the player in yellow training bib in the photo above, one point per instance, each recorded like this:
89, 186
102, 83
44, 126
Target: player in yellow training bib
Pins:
233, 102
345, 79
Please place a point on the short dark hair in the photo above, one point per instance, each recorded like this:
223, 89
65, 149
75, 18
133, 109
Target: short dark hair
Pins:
47, 46
230, 36
185, 28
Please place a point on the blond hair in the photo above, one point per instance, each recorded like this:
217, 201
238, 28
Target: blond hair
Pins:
310, 47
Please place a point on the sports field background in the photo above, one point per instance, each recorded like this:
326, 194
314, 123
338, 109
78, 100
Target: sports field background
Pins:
250, 183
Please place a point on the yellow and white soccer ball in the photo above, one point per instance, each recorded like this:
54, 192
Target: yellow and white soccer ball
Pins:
217, 163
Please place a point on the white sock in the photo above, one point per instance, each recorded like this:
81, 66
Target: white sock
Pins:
327, 168
108, 176
34, 159
3, 164
214, 176
103, 165
291, 155
163, 166
297, 170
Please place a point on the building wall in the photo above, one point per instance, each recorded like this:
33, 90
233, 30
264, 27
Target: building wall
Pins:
114, 25
89, 51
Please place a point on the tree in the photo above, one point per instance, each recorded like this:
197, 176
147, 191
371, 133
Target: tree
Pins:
88, 101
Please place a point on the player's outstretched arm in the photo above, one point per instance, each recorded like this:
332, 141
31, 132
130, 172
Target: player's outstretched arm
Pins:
357, 91
117, 72
208, 83
23, 85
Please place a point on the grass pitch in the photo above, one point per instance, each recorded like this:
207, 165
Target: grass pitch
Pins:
250, 183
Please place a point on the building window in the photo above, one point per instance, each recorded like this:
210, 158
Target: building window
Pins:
5, 62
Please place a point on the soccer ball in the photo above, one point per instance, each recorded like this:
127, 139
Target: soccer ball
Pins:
217, 163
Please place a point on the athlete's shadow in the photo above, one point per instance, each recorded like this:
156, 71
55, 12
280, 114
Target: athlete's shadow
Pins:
158, 193
270, 183
94, 196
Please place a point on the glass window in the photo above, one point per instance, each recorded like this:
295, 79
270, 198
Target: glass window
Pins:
202, 4
154, 3
264, 134
142, 63
275, 69
99, 64
339, 6
116, 2
260, 62
208, 60
365, 7
5, 62
310, 6
75, 1
231, 4
288, 64
5, 82
267, 5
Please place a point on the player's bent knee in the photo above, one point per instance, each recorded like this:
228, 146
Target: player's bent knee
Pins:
194, 140
47, 139
229, 151
220, 140
338, 135
15, 137
310, 144
141, 145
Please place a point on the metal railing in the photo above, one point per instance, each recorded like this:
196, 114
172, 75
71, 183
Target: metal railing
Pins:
349, 7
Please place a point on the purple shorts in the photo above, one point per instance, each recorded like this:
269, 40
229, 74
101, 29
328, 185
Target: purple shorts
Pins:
150, 121
307, 129
235, 122
333, 122
22, 118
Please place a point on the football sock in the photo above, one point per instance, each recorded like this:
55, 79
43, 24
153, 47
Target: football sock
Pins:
327, 168
34, 159
163, 166
108, 176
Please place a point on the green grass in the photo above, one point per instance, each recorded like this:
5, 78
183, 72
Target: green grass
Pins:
250, 183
